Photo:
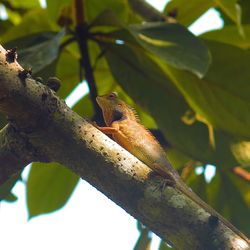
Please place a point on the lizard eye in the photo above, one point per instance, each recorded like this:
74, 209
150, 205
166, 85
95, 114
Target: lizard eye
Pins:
112, 95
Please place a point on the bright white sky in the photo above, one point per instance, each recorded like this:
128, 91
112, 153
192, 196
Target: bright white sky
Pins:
89, 220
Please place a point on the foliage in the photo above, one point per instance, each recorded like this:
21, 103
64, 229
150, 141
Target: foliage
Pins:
194, 89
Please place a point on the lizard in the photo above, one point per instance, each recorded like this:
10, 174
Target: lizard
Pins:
123, 124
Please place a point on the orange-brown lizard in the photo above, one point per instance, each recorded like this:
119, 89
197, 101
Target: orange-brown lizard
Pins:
124, 126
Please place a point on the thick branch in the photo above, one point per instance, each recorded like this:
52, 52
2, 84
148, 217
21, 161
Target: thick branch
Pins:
60, 135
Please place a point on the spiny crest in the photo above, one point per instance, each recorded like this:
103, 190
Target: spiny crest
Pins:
133, 113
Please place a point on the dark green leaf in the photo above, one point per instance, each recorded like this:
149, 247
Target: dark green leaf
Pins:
49, 187
41, 54
245, 7
5, 189
175, 45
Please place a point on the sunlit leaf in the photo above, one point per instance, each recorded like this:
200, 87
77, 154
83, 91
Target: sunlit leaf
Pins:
187, 13
34, 21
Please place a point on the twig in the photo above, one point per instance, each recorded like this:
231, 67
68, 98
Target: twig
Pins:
244, 174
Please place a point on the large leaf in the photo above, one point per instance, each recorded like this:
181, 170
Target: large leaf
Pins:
40, 51
146, 83
222, 97
49, 187
175, 45
187, 13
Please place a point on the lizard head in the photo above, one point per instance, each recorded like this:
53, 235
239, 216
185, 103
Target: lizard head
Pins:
113, 108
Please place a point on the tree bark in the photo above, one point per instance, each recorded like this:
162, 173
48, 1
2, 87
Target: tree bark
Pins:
42, 128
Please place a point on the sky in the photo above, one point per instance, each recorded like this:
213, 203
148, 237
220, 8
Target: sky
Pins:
89, 220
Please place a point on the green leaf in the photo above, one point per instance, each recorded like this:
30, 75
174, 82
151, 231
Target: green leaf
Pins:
41, 51
146, 83
49, 187
5, 189
67, 70
228, 200
84, 107
54, 7
95, 7
107, 18
34, 21
175, 45
231, 8
24, 4
222, 97
186, 14
230, 35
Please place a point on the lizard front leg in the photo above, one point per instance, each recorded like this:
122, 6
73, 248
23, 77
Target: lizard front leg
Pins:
109, 130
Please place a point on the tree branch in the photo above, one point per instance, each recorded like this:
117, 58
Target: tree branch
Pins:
82, 34
58, 134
